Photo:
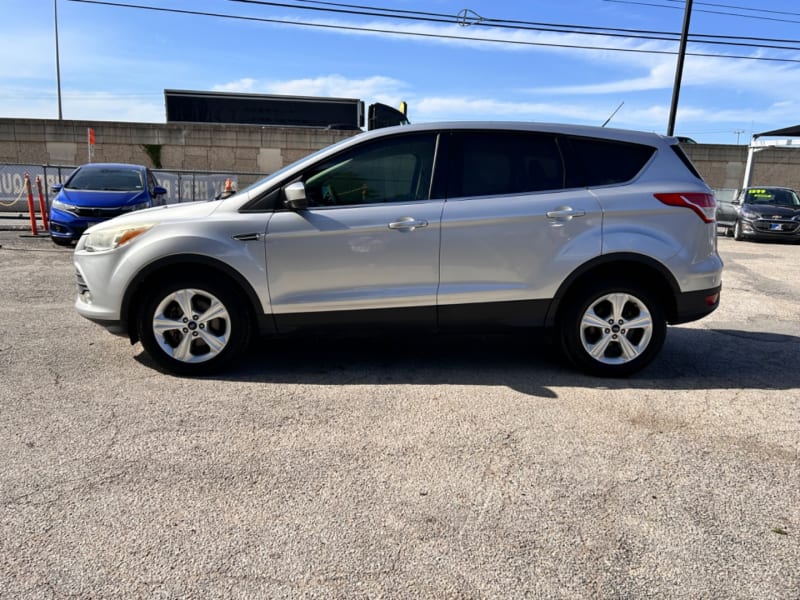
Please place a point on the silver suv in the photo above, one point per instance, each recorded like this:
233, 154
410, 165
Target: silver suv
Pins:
601, 236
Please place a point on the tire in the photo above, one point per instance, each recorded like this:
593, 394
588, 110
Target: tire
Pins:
612, 329
191, 327
737, 231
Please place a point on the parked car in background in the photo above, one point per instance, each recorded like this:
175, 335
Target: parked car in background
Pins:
765, 213
601, 236
727, 209
97, 192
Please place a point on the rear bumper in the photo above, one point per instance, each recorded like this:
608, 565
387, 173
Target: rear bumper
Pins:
691, 306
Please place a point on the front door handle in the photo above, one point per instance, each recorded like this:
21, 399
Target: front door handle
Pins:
408, 224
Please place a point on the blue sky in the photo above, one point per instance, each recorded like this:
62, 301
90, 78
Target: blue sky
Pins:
116, 61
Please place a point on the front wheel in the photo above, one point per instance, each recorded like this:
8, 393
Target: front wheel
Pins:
191, 327
737, 231
612, 329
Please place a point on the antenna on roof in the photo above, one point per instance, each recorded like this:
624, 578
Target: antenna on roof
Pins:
612, 114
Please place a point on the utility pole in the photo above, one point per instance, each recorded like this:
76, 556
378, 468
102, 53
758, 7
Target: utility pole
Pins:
676, 89
58, 62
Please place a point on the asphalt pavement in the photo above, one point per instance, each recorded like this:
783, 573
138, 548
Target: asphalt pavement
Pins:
400, 467
18, 222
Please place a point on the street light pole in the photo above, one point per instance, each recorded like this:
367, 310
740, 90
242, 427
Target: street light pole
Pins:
676, 89
58, 62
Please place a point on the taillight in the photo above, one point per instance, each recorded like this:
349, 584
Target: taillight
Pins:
705, 205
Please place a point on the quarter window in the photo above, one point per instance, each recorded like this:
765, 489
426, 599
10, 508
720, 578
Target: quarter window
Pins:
607, 162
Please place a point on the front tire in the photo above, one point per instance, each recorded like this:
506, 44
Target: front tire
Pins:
191, 327
612, 329
737, 231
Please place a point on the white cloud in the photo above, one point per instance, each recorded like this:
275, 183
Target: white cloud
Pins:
454, 108
328, 85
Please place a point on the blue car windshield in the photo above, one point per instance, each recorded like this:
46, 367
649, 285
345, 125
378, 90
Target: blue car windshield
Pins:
106, 179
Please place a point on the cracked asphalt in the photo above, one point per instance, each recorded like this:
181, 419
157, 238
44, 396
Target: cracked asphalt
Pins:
408, 467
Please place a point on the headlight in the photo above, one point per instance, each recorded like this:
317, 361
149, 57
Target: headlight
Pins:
114, 237
749, 214
59, 205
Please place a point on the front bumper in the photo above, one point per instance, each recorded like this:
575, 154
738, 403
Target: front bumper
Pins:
767, 229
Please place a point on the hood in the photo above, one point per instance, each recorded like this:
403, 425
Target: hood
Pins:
162, 214
102, 199
771, 211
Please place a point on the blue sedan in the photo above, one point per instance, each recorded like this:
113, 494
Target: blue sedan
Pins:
97, 192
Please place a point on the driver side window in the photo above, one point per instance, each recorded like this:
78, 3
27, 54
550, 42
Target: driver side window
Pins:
393, 170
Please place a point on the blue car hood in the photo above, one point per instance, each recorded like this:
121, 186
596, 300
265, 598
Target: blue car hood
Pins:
102, 199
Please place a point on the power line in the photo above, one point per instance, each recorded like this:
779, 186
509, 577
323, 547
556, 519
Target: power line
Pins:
652, 35
532, 25
713, 12
456, 37
758, 10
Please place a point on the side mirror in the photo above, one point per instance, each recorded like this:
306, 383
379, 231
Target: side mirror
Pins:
159, 191
56, 187
295, 196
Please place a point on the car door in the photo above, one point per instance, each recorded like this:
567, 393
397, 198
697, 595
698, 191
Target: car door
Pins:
513, 227
368, 243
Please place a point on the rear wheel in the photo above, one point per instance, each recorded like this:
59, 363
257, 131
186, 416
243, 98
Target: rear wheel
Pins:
612, 329
191, 327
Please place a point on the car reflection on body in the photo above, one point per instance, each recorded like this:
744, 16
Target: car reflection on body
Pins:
767, 213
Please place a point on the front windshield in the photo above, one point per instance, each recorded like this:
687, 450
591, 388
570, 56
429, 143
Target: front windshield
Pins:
773, 197
113, 179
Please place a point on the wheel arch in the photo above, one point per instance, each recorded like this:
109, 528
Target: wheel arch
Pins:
185, 265
640, 269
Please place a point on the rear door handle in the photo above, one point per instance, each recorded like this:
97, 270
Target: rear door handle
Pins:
408, 224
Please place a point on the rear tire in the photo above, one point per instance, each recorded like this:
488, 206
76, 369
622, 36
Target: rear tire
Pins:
193, 327
612, 329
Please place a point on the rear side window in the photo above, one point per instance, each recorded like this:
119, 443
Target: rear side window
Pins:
606, 162
491, 163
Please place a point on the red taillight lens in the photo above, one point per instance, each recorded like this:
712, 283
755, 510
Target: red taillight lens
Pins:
705, 205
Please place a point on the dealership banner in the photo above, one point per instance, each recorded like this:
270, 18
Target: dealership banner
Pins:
180, 186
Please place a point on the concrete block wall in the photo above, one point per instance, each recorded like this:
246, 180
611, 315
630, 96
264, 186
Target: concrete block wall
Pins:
198, 147
723, 166
264, 149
